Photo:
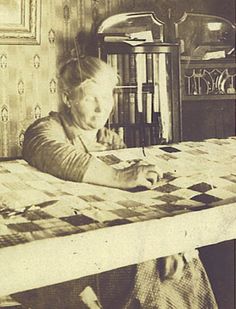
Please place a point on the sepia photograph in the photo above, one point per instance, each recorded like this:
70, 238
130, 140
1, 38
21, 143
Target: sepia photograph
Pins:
117, 154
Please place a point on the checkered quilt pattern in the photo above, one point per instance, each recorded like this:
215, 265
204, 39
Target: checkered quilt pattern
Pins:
195, 176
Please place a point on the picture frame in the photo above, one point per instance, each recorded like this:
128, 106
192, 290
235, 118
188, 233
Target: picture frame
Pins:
20, 22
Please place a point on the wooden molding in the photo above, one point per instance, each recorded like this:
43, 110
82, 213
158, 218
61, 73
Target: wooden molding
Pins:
25, 29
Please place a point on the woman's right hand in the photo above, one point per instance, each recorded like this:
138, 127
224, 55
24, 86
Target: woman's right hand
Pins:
140, 174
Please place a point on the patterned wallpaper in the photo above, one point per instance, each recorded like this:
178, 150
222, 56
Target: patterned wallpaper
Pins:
28, 73
27, 83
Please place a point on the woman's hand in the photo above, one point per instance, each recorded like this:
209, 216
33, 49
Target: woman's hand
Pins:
139, 174
110, 139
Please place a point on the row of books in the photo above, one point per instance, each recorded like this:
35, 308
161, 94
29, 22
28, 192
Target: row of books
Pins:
126, 109
140, 70
130, 66
138, 136
143, 91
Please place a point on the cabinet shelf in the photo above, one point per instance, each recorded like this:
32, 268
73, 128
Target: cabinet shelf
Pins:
212, 112
124, 48
133, 125
209, 97
213, 63
146, 88
209, 80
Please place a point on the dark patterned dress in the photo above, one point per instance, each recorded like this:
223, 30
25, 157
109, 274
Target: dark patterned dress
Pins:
177, 282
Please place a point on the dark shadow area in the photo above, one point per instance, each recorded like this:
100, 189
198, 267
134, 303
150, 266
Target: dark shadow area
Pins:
219, 262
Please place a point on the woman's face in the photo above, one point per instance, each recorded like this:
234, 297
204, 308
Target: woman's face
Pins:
91, 105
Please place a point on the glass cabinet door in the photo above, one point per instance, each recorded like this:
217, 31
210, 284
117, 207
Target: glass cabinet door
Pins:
146, 99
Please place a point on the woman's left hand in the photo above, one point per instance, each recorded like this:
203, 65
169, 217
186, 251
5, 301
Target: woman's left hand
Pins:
110, 139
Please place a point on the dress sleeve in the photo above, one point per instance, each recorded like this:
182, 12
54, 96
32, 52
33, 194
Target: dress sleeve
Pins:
47, 148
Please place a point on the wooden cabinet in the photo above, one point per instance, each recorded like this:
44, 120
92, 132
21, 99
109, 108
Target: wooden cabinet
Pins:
208, 99
208, 119
175, 90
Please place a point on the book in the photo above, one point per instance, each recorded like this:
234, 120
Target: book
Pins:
155, 134
141, 78
137, 137
121, 117
130, 38
115, 114
126, 69
148, 108
147, 136
132, 69
143, 114
126, 107
132, 107
152, 133
120, 68
159, 128
164, 99
156, 97
149, 65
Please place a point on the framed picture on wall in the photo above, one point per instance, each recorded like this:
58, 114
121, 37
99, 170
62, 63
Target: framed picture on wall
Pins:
20, 21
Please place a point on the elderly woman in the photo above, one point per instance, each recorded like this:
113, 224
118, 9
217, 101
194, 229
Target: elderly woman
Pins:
61, 145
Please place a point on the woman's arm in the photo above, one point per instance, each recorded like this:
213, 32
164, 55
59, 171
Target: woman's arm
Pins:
139, 174
47, 148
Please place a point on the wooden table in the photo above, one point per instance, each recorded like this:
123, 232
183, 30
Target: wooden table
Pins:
52, 230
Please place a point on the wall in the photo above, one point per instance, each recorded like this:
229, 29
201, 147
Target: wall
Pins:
27, 83
28, 73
